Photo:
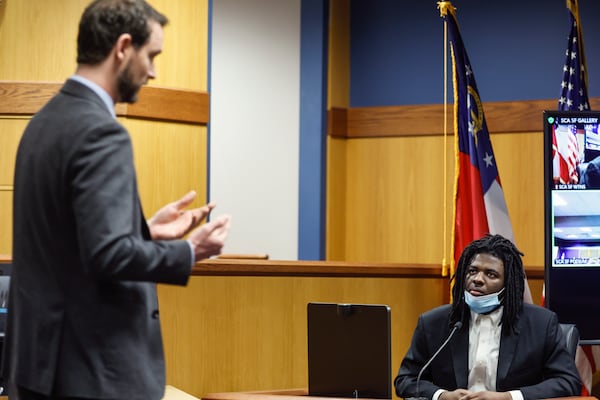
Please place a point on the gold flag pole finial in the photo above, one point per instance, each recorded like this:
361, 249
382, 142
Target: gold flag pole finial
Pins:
573, 6
444, 7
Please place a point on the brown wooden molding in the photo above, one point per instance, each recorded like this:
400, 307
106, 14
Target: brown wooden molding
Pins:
256, 267
428, 119
169, 105
337, 122
229, 267
313, 269
26, 98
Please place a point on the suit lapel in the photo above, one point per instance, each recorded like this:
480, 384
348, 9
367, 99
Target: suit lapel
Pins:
460, 356
507, 351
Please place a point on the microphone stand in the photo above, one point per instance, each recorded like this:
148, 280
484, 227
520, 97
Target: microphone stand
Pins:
456, 327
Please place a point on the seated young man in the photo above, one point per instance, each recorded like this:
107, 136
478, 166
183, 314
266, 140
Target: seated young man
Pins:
501, 347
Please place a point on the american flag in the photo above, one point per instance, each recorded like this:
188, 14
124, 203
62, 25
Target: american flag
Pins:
574, 97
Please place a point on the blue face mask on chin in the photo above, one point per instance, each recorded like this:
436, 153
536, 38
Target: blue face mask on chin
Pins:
483, 304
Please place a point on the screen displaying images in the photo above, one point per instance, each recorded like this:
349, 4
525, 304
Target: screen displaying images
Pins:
575, 189
572, 219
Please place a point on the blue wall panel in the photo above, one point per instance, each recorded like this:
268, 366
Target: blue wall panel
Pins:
516, 47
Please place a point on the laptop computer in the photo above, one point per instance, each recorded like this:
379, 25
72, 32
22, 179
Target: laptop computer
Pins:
349, 350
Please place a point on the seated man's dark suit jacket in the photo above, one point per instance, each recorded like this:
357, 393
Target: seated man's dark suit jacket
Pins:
83, 311
534, 360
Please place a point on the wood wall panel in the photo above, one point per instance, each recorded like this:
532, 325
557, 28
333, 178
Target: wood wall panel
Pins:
389, 165
170, 161
37, 39
338, 72
520, 160
6, 196
336, 199
395, 204
12, 129
184, 61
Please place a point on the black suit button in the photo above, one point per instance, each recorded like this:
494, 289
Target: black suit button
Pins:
155, 314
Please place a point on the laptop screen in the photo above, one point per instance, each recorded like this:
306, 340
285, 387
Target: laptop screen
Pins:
349, 350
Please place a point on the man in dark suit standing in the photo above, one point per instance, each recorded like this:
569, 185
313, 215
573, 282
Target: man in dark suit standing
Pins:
83, 310
501, 348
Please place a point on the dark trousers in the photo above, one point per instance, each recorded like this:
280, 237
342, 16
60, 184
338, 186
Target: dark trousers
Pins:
19, 393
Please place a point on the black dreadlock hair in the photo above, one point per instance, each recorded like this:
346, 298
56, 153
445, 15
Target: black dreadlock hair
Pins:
514, 278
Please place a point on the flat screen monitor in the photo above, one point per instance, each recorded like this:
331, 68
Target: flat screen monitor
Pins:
349, 350
572, 219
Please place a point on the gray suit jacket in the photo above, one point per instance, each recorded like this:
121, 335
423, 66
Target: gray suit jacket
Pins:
534, 360
83, 311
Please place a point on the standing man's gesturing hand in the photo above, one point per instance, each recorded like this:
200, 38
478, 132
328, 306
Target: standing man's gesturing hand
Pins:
173, 222
208, 239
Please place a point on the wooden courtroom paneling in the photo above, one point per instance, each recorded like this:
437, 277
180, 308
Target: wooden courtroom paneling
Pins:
6, 220
33, 70
399, 179
170, 160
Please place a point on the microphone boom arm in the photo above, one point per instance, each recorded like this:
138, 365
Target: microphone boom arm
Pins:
456, 327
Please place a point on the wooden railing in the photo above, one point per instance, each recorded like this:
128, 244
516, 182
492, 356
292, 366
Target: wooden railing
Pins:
262, 267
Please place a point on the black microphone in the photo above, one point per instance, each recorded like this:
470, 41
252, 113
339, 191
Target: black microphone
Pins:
457, 326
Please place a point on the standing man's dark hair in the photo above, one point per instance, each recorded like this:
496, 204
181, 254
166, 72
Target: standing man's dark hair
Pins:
503, 249
103, 21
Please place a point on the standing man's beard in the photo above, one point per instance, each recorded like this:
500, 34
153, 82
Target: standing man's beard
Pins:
128, 89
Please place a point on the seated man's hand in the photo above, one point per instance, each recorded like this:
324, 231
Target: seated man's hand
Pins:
485, 395
454, 395
173, 222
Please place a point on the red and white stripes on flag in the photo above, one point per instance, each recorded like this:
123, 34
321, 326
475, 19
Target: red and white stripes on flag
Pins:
565, 154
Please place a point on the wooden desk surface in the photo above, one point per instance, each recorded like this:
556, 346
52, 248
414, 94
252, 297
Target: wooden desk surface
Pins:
286, 394
292, 394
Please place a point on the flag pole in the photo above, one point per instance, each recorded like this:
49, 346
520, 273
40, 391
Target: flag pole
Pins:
445, 168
